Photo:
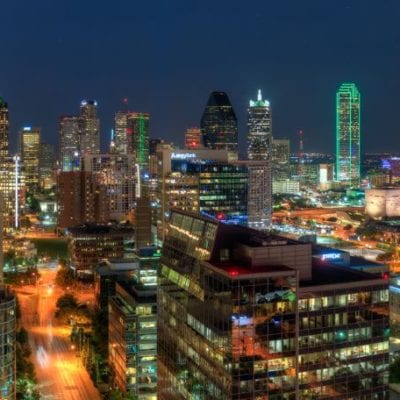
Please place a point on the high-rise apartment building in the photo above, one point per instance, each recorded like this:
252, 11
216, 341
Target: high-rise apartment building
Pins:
115, 174
259, 137
247, 315
219, 123
193, 138
69, 127
81, 199
348, 135
30, 156
89, 128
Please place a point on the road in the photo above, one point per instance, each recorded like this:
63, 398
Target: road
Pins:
60, 373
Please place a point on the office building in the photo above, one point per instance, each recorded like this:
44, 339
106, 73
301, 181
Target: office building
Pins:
280, 159
69, 133
138, 138
133, 340
108, 273
120, 132
219, 124
348, 135
7, 348
259, 194
4, 131
115, 174
90, 243
133, 329
89, 128
81, 199
259, 136
47, 166
30, 142
247, 315
8, 318
193, 138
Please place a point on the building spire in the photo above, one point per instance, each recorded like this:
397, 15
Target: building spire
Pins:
259, 95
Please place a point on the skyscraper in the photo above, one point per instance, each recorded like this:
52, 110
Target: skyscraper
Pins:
120, 134
69, 142
259, 136
348, 134
3, 130
30, 154
219, 124
193, 139
89, 128
137, 138
247, 315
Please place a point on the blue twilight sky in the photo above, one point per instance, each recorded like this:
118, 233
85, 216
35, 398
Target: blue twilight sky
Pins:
166, 56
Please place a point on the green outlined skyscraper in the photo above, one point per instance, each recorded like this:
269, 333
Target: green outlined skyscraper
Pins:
348, 134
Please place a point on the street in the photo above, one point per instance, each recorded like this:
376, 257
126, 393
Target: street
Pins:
59, 370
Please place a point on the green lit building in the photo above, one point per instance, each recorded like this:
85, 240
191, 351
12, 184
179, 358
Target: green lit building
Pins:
247, 315
348, 135
259, 137
137, 138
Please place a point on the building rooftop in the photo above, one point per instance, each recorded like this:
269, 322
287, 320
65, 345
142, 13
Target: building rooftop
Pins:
324, 273
94, 229
238, 270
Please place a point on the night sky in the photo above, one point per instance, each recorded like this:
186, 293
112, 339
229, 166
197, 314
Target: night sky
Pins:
166, 56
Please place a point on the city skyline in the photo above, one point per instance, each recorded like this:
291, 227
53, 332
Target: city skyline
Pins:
289, 51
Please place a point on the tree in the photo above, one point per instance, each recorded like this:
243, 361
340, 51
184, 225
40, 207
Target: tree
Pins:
394, 371
65, 277
116, 394
67, 301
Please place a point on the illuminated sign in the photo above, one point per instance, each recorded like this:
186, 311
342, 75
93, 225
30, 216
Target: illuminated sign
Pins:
331, 256
182, 156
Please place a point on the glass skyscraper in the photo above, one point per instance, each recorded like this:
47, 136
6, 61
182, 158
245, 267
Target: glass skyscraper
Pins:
259, 137
3, 130
247, 315
89, 128
348, 136
219, 124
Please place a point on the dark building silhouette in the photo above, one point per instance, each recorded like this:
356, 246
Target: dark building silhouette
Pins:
219, 123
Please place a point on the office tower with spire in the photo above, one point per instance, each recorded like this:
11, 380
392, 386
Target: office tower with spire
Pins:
89, 128
69, 142
348, 134
259, 137
219, 124
30, 156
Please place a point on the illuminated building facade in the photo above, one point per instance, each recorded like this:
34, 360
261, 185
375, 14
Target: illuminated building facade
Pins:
259, 136
7, 345
115, 174
4, 131
219, 124
259, 193
90, 243
247, 315
46, 166
89, 128
138, 138
30, 142
280, 159
383, 202
81, 199
133, 328
348, 135
193, 138
69, 128
120, 132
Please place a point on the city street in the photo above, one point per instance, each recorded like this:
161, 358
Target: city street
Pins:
60, 373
